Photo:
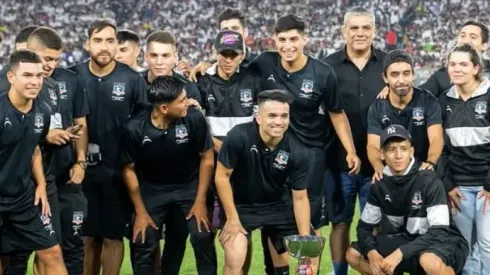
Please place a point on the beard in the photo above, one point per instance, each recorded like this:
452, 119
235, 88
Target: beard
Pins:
402, 91
97, 59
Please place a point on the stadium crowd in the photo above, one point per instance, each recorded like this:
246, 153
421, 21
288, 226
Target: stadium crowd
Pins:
421, 27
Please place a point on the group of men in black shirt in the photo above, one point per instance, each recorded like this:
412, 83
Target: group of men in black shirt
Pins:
280, 142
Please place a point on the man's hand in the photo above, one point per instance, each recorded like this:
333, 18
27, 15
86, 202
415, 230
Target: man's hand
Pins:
454, 196
354, 163
141, 223
195, 103
77, 174
199, 69
183, 68
426, 166
231, 229
392, 261
378, 174
376, 262
486, 195
200, 213
41, 197
62, 137
384, 93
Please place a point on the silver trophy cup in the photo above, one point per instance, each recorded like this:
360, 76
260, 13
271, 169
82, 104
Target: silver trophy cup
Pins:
304, 248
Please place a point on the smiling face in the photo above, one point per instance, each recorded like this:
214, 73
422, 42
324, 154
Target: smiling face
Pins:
397, 155
460, 68
273, 118
26, 79
358, 32
399, 77
161, 58
290, 44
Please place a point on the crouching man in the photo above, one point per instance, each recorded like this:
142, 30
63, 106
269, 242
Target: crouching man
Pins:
416, 232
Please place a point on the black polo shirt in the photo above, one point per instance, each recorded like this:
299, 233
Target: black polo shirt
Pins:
260, 175
316, 92
111, 100
20, 133
422, 112
73, 104
190, 87
439, 81
166, 159
228, 103
358, 90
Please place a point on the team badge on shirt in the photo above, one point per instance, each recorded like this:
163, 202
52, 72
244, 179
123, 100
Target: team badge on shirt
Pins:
417, 200
481, 109
53, 97
246, 97
307, 88
418, 116
181, 134
38, 123
63, 90
118, 91
281, 160
77, 222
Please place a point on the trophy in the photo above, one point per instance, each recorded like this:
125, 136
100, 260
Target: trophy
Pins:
304, 248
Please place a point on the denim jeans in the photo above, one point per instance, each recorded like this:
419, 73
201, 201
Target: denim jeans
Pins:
475, 227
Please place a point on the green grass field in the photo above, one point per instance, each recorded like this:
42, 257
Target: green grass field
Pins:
257, 268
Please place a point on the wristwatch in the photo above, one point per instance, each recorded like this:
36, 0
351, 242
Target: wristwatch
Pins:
82, 164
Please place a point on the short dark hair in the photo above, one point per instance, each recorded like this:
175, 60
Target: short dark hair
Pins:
164, 37
275, 95
475, 57
25, 56
229, 13
127, 35
99, 24
24, 34
290, 22
396, 56
165, 89
483, 28
48, 37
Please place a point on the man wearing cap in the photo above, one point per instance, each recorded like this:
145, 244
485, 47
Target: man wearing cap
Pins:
415, 109
411, 208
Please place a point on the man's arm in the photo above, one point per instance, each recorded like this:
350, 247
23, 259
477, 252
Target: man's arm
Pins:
217, 144
342, 128
38, 176
374, 152
206, 168
301, 207
131, 181
436, 143
225, 193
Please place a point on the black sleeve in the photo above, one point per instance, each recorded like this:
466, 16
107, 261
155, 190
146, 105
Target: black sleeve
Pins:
130, 145
332, 100
438, 218
193, 92
140, 94
202, 88
374, 125
434, 114
231, 148
200, 130
432, 85
370, 218
299, 177
47, 113
255, 64
80, 100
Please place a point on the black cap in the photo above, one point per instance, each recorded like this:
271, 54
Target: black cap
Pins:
397, 56
229, 40
392, 131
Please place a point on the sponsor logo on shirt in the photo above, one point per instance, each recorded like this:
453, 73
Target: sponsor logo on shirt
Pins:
53, 96
181, 134
281, 160
38, 123
118, 91
387, 198
47, 224
271, 78
385, 120
417, 200
77, 223
63, 90
448, 109
146, 139
481, 109
246, 98
211, 97
307, 88
7, 122
418, 116
254, 149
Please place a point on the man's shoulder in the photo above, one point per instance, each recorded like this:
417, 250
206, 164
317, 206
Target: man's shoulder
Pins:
126, 71
42, 107
134, 121
65, 73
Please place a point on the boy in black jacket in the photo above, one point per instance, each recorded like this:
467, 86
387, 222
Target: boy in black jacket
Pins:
410, 206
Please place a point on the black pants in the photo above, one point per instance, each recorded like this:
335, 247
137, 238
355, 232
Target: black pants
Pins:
158, 206
73, 209
176, 233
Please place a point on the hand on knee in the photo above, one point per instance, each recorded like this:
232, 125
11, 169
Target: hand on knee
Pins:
431, 263
50, 256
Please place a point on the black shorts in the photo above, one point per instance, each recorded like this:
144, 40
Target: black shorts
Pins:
273, 221
108, 207
73, 211
452, 253
23, 228
316, 191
